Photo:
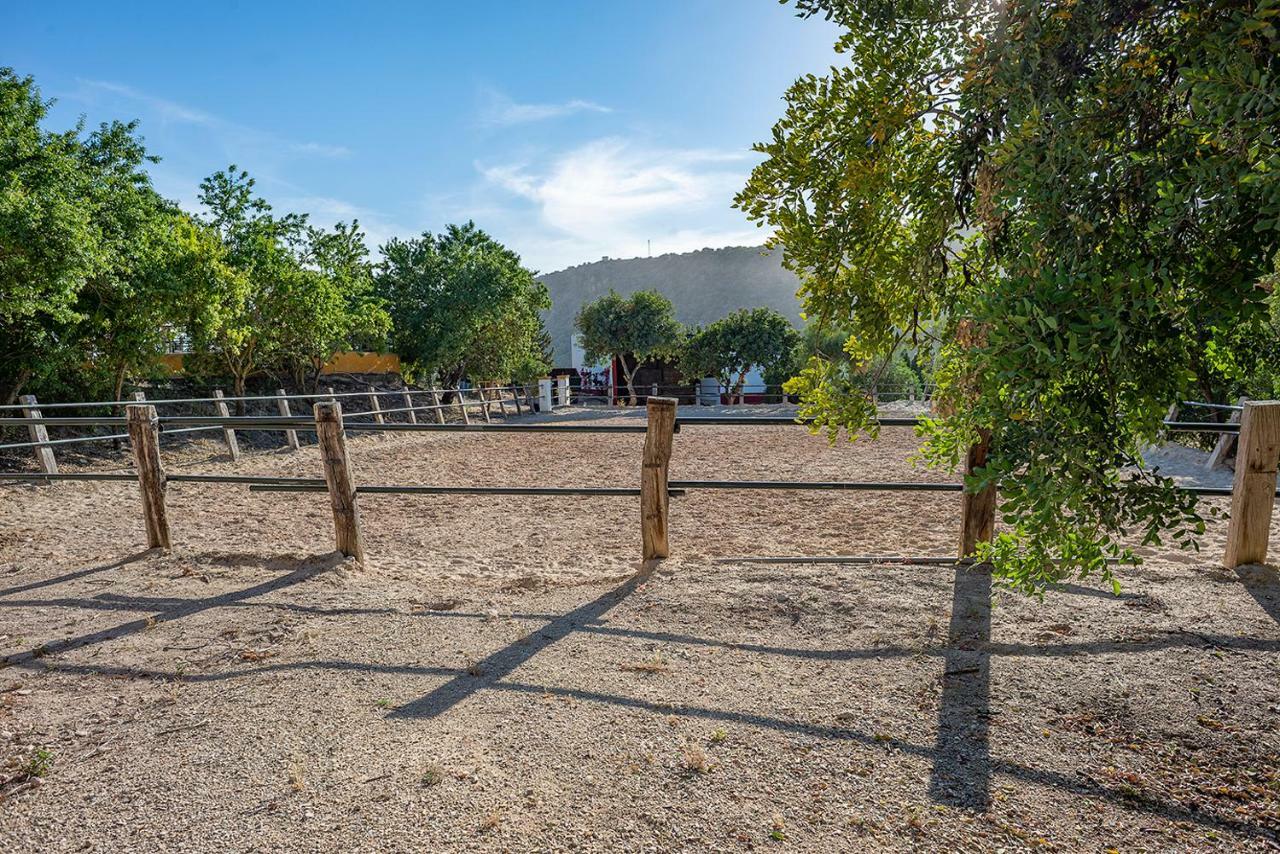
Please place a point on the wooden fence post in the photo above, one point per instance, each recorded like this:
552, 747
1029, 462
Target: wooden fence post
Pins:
435, 401
38, 433
408, 401
145, 439
462, 405
502, 403
1253, 492
484, 404
337, 475
227, 432
1226, 441
978, 510
375, 407
282, 403
655, 501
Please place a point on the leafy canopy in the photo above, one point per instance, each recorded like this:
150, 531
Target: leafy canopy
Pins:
642, 325
461, 305
731, 346
1091, 186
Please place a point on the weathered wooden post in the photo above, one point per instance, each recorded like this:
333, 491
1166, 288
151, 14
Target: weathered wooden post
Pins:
408, 401
145, 439
978, 509
502, 402
337, 475
38, 433
462, 405
1226, 441
1253, 492
484, 403
439, 407
515, 398
375, 407
228, 432
655, 501
545, 404
282, 404
562, 390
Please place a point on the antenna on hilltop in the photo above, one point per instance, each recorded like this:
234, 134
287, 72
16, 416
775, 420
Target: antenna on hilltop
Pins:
649, 247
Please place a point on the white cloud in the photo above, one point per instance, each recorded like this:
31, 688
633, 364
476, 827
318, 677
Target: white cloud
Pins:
500, 110
614, 197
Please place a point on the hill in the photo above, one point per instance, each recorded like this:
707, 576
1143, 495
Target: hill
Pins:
704, 286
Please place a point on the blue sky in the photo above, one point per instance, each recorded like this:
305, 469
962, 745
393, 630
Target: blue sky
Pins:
568, 130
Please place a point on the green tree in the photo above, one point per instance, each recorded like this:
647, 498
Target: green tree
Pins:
731, 346
642, 326
327, 304
1089, 187
461, 304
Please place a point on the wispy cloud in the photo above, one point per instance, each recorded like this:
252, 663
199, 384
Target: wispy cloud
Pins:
172, 111
499, 110
613, 197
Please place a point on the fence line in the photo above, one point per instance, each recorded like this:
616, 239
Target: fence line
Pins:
1252, 494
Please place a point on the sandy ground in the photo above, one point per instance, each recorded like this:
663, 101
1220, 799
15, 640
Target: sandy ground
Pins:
503, 674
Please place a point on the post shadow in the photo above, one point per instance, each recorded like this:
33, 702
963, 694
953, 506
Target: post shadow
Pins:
1263, 585
503, 662
961, 774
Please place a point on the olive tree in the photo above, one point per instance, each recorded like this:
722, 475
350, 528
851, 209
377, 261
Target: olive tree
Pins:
642, 326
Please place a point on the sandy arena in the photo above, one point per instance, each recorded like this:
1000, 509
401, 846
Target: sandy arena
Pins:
503, 674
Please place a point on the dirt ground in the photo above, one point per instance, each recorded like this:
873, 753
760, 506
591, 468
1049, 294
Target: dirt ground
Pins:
504, 674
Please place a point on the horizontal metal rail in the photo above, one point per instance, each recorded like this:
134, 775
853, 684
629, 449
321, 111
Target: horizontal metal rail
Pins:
251, 397
853, 486
244, 478
464, 490
73, 440
1227, 407
80, 475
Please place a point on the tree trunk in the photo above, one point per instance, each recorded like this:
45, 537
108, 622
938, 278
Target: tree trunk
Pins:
238, 386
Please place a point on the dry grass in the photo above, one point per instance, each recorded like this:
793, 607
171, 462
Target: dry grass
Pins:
656, 664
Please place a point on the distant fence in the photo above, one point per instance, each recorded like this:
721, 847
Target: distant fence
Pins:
1252, 494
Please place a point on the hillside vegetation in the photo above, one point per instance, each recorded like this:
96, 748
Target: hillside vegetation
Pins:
703, 286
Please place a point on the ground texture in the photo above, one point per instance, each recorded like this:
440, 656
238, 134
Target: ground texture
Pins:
503, 674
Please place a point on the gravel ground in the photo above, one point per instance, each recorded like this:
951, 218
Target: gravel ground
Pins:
503, 674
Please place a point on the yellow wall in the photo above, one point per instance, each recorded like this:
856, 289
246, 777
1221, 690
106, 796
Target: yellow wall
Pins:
346, 362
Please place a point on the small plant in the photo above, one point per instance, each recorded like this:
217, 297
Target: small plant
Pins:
491, 822
718, 736
778, 833
433, 775
696, 760
382, 703
297, 775
39, 763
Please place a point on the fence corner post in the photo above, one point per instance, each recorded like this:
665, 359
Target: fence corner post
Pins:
655, 500
38, 433
1253, 489
228, 432
145, 439
337, 476
978, 509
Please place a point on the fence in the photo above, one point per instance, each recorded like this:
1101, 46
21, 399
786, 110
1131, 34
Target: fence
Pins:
485, 398
1252, 494
618, 396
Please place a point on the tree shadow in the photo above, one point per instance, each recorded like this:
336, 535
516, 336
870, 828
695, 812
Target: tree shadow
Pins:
961, 775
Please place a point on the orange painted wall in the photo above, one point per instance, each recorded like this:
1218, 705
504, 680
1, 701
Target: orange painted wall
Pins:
346, 362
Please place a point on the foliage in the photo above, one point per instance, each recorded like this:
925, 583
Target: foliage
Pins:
93, 265
642, 325
461, 304
730, 347
1090, 187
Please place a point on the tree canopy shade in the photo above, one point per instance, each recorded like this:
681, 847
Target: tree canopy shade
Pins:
462, 305
642, 325
1091, 186
730, 347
